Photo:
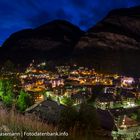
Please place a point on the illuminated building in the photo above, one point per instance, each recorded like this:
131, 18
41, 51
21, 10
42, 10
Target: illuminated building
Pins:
127, 81
127, 129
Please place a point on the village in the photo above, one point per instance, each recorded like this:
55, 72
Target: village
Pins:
115, 97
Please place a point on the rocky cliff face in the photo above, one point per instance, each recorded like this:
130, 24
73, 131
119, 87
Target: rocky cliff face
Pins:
120, 30
113, 44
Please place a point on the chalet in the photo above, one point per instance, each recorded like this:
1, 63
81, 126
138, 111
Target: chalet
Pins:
105, 101
127, 128
128, 99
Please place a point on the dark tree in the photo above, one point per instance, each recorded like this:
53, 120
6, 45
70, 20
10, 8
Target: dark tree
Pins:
88, 120
8, 66
68, 118
23, 101
7, 94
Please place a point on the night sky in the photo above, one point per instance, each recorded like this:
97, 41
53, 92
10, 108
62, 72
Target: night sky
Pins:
20, 14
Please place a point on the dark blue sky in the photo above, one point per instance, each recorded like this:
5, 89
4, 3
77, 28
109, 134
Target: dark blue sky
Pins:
20, 14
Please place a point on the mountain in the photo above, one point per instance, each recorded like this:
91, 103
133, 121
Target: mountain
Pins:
118, 31
52, 40
112, 45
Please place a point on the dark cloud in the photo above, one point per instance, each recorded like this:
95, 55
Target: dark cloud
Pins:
20, 14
